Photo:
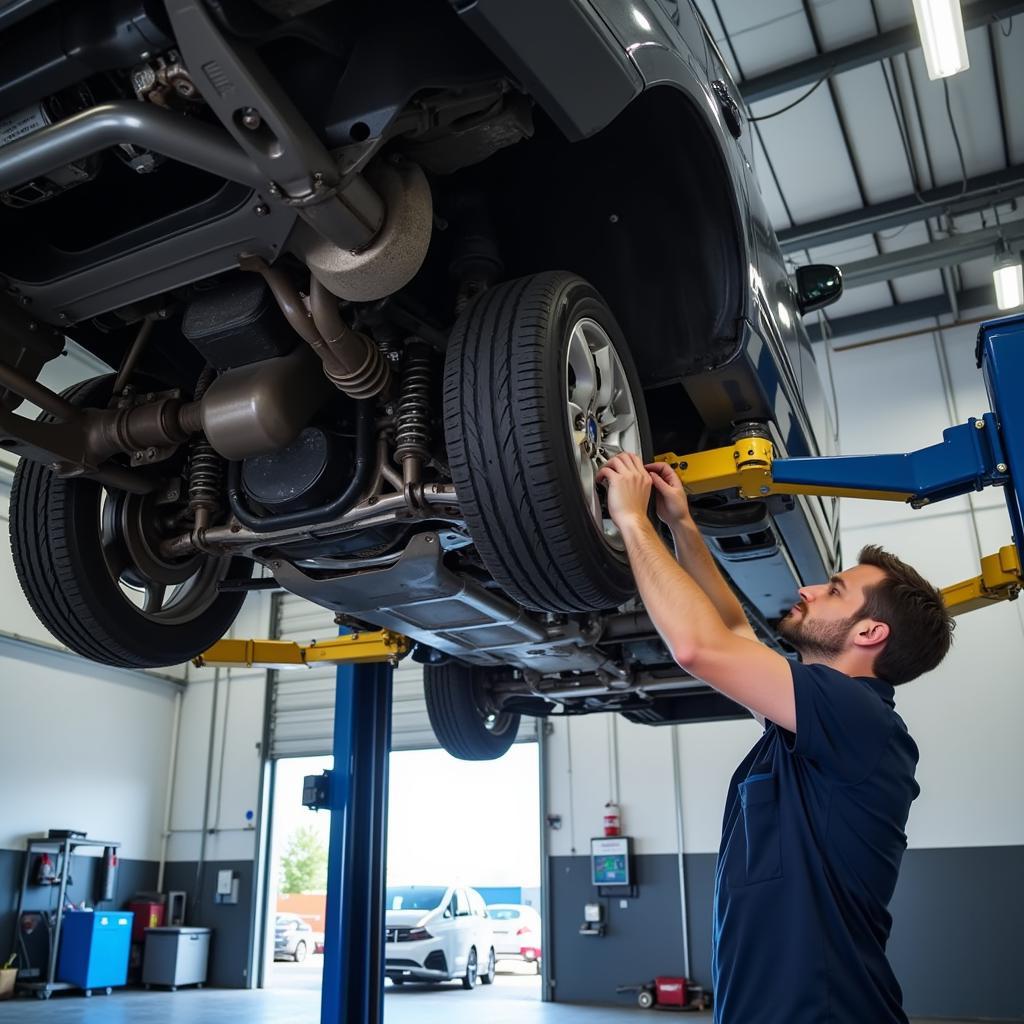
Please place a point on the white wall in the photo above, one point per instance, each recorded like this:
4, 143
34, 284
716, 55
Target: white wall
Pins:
965, 716
83, 752
238, 738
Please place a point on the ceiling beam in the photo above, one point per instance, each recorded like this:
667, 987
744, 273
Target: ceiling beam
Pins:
903, 313
865, 51
943, 252
999, 187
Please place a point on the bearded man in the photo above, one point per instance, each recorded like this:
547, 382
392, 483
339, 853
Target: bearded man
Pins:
814, 823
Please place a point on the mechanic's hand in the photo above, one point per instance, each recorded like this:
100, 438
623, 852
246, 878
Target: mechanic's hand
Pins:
670, 499
629, 488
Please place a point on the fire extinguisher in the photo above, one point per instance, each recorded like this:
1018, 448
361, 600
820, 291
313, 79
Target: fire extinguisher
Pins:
612, 824
45, 872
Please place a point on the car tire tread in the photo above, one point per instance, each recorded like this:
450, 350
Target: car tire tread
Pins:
509, 474
448, 694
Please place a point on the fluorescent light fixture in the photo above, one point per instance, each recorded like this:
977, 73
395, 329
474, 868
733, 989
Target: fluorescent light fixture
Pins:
941, 25
1008, 277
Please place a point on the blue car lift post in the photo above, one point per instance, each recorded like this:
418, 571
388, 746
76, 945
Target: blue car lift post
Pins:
355, 791
985, 452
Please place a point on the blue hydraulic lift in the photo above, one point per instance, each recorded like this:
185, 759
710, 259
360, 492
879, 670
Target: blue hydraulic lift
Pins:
985, 452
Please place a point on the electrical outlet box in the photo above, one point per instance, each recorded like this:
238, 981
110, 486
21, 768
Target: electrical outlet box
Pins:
227, 887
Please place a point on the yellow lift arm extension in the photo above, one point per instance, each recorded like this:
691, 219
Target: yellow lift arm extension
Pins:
350, 649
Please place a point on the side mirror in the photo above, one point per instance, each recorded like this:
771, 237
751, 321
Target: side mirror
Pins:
817, 285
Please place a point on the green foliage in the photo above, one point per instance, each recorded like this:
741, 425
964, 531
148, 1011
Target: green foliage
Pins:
304, 863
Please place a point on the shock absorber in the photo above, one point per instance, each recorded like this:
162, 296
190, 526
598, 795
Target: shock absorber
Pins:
205, 468
412, 418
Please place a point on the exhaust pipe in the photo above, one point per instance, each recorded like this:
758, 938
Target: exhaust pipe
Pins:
126, 121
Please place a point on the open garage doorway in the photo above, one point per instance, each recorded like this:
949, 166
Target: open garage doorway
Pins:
472, 827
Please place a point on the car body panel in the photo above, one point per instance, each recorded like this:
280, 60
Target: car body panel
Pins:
517, 932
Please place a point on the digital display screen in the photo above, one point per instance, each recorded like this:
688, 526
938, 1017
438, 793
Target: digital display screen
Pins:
609, 861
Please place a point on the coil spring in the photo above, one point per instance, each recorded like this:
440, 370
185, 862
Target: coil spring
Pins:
412, 419
205, 474
205, 466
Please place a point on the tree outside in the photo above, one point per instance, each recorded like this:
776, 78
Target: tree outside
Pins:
304, 862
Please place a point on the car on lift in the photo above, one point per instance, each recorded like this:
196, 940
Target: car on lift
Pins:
437, 933
382, 285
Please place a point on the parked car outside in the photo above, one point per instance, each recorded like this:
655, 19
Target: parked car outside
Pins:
517, 933
293, 938
437, 933
380, 312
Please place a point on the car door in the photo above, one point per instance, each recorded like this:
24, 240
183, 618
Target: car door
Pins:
465, 926
450, 925
483, 935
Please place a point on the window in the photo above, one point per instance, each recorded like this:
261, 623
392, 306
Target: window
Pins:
413, 897
476, 902
462, 908
504, 914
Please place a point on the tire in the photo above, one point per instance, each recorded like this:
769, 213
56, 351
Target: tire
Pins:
645, 999
55, 527
511, 449
487, 978
300, 952
469, 978
398, 981
456, 701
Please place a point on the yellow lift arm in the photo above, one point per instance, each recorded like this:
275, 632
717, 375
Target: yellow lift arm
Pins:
746, 466
350, 649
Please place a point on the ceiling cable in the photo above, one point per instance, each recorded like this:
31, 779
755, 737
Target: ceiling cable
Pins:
956, 138
775, 113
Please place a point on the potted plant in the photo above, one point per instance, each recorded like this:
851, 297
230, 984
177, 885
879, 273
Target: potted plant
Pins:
8, 975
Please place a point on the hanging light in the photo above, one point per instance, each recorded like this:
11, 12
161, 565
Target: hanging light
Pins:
941, 25
1008, 277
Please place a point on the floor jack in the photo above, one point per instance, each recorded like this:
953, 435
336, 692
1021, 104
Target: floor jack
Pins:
985, 452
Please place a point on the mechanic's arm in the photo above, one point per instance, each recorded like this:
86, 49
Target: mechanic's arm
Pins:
742, 669
691, 549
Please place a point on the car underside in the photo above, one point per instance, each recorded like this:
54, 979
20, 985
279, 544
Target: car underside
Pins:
375, 320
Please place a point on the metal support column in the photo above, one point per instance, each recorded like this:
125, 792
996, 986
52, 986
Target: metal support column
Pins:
357, 788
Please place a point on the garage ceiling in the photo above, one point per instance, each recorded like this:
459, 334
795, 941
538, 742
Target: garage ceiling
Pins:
875, 167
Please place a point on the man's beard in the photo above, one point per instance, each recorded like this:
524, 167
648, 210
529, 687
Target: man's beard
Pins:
817, 639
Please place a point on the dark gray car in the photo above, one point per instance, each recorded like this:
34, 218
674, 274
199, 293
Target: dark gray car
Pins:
382, 285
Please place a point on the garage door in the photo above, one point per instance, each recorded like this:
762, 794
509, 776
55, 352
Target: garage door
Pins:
302, 706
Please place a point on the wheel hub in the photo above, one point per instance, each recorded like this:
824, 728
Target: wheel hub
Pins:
601, 410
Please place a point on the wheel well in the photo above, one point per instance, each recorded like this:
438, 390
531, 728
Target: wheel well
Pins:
644, 210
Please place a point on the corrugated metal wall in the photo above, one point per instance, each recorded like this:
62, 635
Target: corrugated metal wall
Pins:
302, 700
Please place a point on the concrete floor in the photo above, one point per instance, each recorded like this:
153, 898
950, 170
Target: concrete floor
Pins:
294, 998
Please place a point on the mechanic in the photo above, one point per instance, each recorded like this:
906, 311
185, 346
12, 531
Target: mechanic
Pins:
814, 822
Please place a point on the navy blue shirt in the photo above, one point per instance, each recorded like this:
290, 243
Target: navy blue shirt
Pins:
811, 847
